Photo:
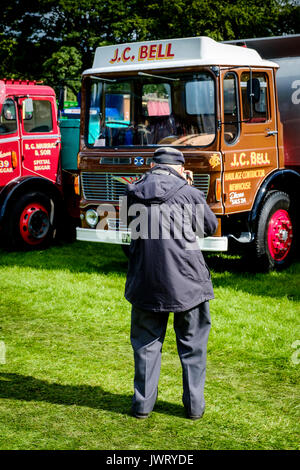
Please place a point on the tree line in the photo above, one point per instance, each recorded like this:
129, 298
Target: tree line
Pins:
55, 40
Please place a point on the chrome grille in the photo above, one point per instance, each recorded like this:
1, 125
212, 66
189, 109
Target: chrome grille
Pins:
103, 186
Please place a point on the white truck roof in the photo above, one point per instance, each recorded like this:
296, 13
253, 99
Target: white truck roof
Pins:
170, 53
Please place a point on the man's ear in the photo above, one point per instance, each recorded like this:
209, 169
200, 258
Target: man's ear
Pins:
152, 164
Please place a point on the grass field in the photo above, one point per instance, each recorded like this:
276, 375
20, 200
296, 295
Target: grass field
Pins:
66, 378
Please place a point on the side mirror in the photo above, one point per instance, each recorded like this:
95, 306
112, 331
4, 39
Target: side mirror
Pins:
27, 108
253, 90
8, 115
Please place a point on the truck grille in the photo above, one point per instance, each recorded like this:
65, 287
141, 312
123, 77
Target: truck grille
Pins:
201, 181
104, 186
107, 186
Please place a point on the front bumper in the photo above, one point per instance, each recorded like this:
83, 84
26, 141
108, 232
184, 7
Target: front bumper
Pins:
123, 238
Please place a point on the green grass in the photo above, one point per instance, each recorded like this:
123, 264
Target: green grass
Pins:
67, 380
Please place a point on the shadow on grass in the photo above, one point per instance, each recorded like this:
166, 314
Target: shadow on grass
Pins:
76, 257
27, 388
221, 262
234, 272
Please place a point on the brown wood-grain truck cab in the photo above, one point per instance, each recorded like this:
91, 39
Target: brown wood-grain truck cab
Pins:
218, 104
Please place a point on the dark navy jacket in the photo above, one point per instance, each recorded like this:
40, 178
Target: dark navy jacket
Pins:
169, 274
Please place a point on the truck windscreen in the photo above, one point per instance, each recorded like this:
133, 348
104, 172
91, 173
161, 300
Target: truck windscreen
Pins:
151, 110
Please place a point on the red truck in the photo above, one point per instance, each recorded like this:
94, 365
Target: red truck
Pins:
234, 114
37, 197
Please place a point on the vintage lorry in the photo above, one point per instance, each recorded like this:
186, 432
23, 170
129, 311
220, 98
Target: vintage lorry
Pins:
234, 115
37, 175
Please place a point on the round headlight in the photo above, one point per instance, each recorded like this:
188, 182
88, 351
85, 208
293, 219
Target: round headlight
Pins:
91, 217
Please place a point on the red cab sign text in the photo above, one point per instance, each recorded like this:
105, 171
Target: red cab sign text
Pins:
145, 52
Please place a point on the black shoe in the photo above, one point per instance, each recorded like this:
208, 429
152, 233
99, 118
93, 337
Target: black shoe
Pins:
195, 417
140, 415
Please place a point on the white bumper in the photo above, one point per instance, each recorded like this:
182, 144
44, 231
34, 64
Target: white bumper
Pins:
123, 238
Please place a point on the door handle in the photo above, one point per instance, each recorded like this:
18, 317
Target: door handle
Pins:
272, 133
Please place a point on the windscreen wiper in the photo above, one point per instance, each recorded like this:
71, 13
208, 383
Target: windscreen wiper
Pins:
101, 79
158, 76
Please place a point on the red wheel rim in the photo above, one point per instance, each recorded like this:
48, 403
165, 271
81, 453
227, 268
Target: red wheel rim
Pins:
34, 223
280, 234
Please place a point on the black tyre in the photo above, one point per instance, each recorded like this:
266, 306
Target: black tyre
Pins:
276, 229
30, 222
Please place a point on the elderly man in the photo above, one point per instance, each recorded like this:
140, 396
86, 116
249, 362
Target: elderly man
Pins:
168, 274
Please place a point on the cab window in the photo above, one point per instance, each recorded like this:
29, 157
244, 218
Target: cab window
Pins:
156, 99
231, 108
40, 119
260, 107
113, 122
8, 117
176, 109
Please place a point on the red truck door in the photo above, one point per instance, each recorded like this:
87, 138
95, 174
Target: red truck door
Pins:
40, 138
9, 142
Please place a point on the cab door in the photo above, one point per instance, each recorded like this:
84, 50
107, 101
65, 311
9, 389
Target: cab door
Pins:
10, 160
249, 135
40, 138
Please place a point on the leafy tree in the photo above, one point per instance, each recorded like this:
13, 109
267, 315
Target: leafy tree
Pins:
56, 39
221, 20
64, 68
7, 50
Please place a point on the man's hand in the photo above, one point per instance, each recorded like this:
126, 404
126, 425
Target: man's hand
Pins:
188, 175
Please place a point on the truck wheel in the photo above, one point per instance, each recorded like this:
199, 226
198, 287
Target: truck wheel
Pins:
275, 238
30, 223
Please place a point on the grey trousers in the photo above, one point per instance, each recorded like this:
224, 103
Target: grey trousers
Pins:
148, 331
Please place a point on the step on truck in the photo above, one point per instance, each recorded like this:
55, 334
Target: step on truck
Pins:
37, 173
233, 114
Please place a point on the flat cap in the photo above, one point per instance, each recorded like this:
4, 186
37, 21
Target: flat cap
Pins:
168, 155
